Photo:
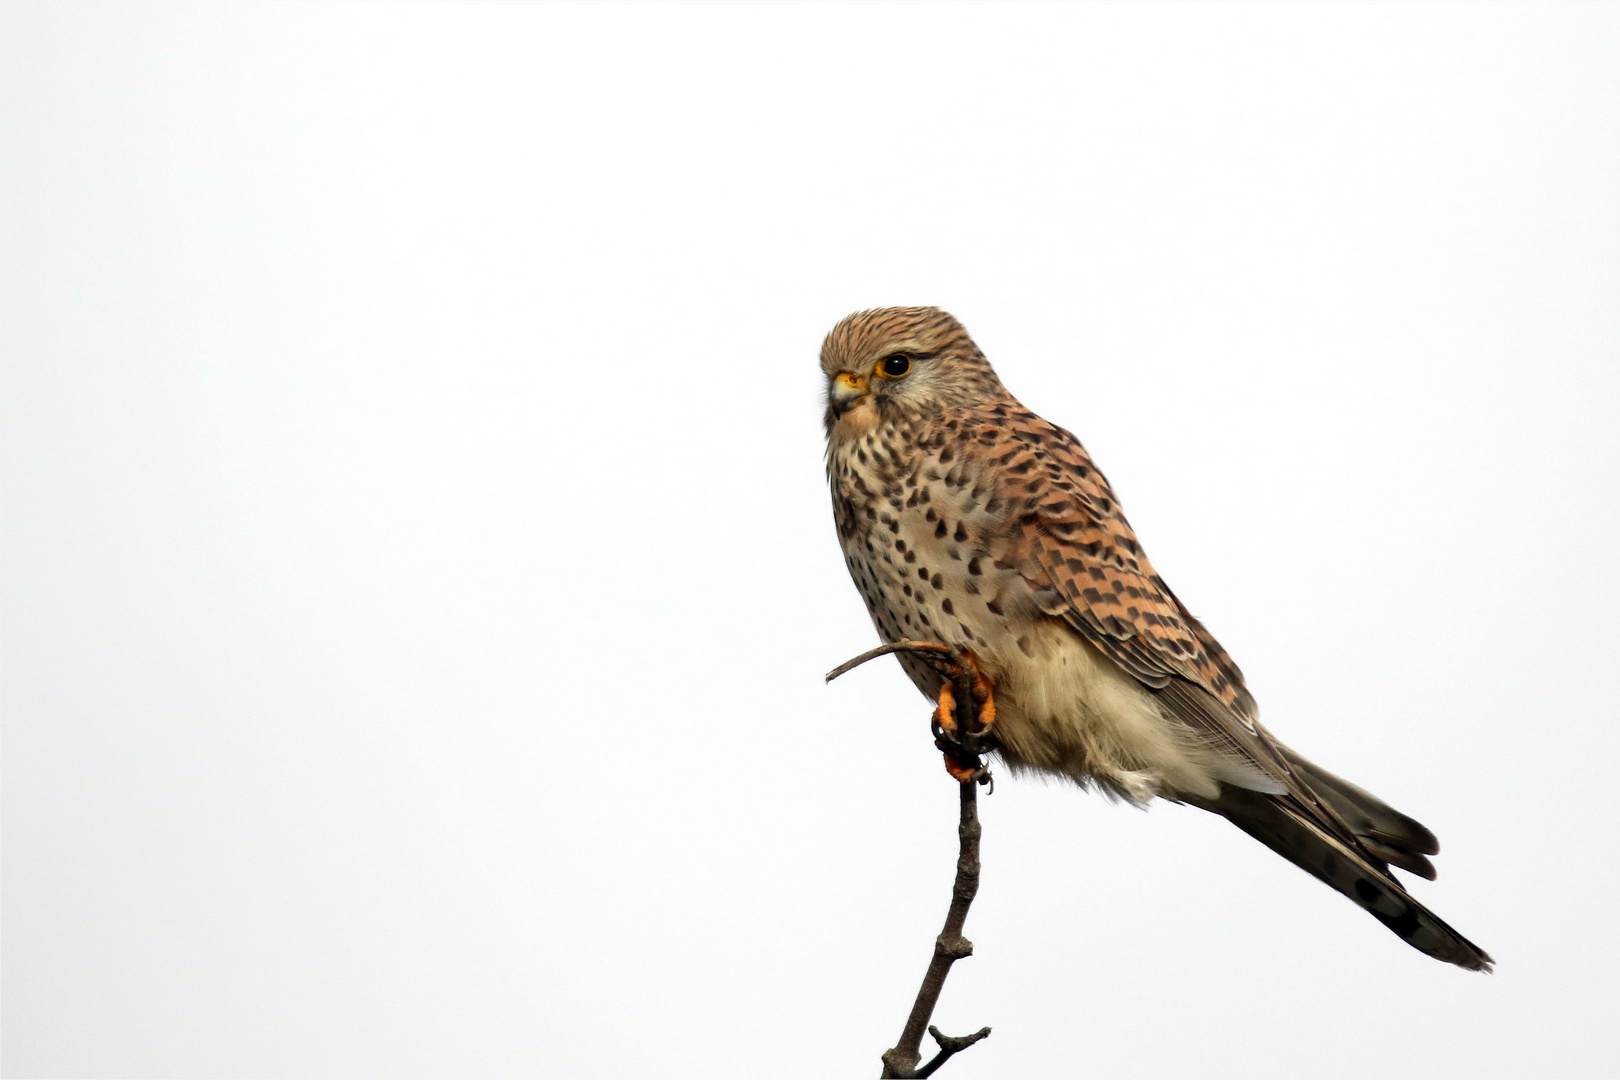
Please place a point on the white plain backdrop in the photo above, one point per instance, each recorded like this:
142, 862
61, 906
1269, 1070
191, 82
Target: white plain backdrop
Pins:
418, 572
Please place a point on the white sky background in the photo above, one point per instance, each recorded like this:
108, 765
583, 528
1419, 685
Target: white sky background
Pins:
419, 573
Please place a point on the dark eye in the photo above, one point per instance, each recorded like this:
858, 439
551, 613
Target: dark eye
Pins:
897, 365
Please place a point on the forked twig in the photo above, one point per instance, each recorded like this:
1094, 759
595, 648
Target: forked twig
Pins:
900, 1061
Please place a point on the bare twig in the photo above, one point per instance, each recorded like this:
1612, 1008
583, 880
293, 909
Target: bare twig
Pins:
900, 1062
964, 746
948, 1045
884, 650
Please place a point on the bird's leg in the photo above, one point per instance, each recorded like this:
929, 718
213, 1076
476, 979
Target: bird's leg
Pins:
983, 695
945, 724
964, 713
945, 709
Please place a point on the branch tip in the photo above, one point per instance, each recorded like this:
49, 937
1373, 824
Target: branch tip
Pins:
884, 650
949, 1045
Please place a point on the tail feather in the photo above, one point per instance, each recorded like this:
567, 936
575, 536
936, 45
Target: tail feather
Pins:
1287, 827
1383, 830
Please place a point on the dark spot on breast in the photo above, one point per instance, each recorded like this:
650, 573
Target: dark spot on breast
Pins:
948, 607
973, 567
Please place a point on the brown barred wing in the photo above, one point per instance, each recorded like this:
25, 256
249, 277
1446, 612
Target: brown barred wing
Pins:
1064, 531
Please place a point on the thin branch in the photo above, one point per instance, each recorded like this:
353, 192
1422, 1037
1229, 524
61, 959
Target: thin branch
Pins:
949, 1045
900, 1063
884, 650
963, 745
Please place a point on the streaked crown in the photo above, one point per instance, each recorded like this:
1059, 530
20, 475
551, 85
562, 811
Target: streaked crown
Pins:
940, 365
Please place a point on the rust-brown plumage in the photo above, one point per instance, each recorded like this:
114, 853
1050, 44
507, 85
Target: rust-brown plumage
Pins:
966, 517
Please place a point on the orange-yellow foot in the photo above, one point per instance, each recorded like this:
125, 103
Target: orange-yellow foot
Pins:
962, 751
945, 719
945, 709
983, 694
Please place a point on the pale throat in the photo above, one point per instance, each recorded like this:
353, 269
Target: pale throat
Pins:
858, 420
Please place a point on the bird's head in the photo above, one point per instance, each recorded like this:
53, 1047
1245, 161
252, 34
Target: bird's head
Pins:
890, 362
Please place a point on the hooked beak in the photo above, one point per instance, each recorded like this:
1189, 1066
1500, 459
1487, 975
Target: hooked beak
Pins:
847, 389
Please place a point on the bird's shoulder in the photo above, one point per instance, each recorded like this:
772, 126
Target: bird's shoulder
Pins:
1026, 466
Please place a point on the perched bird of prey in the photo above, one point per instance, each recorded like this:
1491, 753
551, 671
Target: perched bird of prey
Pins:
967, 519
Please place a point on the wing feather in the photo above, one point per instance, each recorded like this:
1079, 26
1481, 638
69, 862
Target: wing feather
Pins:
1062, 530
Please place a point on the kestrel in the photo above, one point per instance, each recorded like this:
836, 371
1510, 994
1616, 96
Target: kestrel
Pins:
967, 519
